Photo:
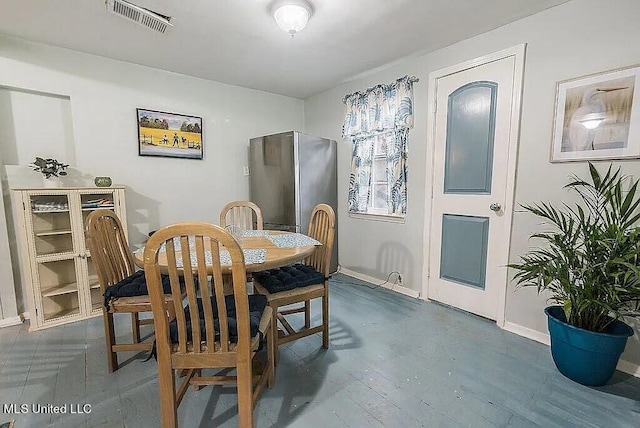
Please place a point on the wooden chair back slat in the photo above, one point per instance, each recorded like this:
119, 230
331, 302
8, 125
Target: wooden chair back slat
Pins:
174, 278
191, 289
243, 214
218, 287
205, 292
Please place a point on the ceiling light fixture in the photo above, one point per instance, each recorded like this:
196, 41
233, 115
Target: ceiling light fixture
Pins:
291, 15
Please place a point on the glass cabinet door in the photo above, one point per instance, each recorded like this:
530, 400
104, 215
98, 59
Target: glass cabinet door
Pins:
51, 224
55, 255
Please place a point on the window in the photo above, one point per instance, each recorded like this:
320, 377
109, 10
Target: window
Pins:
377, 122
378, 202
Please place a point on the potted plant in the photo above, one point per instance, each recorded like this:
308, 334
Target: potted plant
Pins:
49, 168
590, 265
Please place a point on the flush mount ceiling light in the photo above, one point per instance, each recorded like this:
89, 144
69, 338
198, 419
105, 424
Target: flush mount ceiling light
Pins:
291, 15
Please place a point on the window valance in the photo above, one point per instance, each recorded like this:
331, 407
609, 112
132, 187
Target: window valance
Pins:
380, 108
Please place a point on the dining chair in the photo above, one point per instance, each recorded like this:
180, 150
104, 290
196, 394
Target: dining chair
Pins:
209, 329
124, 289
302, 282
244, 214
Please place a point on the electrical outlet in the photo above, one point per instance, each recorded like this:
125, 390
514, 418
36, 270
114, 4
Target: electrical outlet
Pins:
399, 279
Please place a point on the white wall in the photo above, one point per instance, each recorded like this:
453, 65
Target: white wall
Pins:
571, 40
8, 304
35, 124
103, 96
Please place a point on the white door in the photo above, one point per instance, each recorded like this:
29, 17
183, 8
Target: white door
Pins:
475, 136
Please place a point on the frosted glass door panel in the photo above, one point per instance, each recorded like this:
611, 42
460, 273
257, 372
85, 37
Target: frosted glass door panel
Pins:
464, 249
470, 137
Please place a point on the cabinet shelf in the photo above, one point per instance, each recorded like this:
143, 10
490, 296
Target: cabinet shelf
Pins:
93, 282
59, 255
54, 232
62, 314
51, 211
60, 289
96, 208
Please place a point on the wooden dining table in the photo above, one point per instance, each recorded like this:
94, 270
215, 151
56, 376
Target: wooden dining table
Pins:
275, 256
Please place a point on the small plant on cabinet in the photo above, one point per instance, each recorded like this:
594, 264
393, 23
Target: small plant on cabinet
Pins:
49, 167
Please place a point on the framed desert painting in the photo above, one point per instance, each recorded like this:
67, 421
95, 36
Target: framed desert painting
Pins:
169, 134
597, 117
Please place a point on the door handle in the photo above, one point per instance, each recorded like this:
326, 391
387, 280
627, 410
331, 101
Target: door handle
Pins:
495, 207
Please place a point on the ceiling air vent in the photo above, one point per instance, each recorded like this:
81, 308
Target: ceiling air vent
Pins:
150, 19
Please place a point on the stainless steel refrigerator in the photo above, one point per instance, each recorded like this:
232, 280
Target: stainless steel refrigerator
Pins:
290, 173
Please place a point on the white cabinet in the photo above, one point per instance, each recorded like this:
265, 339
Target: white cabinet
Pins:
62, 281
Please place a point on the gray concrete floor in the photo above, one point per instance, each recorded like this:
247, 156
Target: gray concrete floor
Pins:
393, 362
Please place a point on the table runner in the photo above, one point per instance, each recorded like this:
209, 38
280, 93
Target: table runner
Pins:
292, 240
255, 256
250, 233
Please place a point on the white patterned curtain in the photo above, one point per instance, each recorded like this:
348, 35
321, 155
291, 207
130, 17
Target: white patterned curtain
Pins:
360, 177
379, 110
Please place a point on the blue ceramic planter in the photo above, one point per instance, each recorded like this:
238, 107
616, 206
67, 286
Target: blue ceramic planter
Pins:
585, 356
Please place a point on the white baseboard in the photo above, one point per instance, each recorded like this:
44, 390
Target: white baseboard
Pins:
528, 333
623, 366
630, 368
393, 287
6, 322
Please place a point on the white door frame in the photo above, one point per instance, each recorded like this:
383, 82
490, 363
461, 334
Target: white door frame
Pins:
518, 53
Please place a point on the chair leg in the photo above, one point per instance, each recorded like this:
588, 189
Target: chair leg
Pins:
307, 314
110, 339
276, 335
167, 386
245, 395
198, 373
271, 355
135, 327
325, 318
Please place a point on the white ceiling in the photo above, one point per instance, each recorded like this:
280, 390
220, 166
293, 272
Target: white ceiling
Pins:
237, 41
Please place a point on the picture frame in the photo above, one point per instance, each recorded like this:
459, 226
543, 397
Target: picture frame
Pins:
171, 135
597, 117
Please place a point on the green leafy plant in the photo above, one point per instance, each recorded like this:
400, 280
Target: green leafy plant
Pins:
49, 167
591, 261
